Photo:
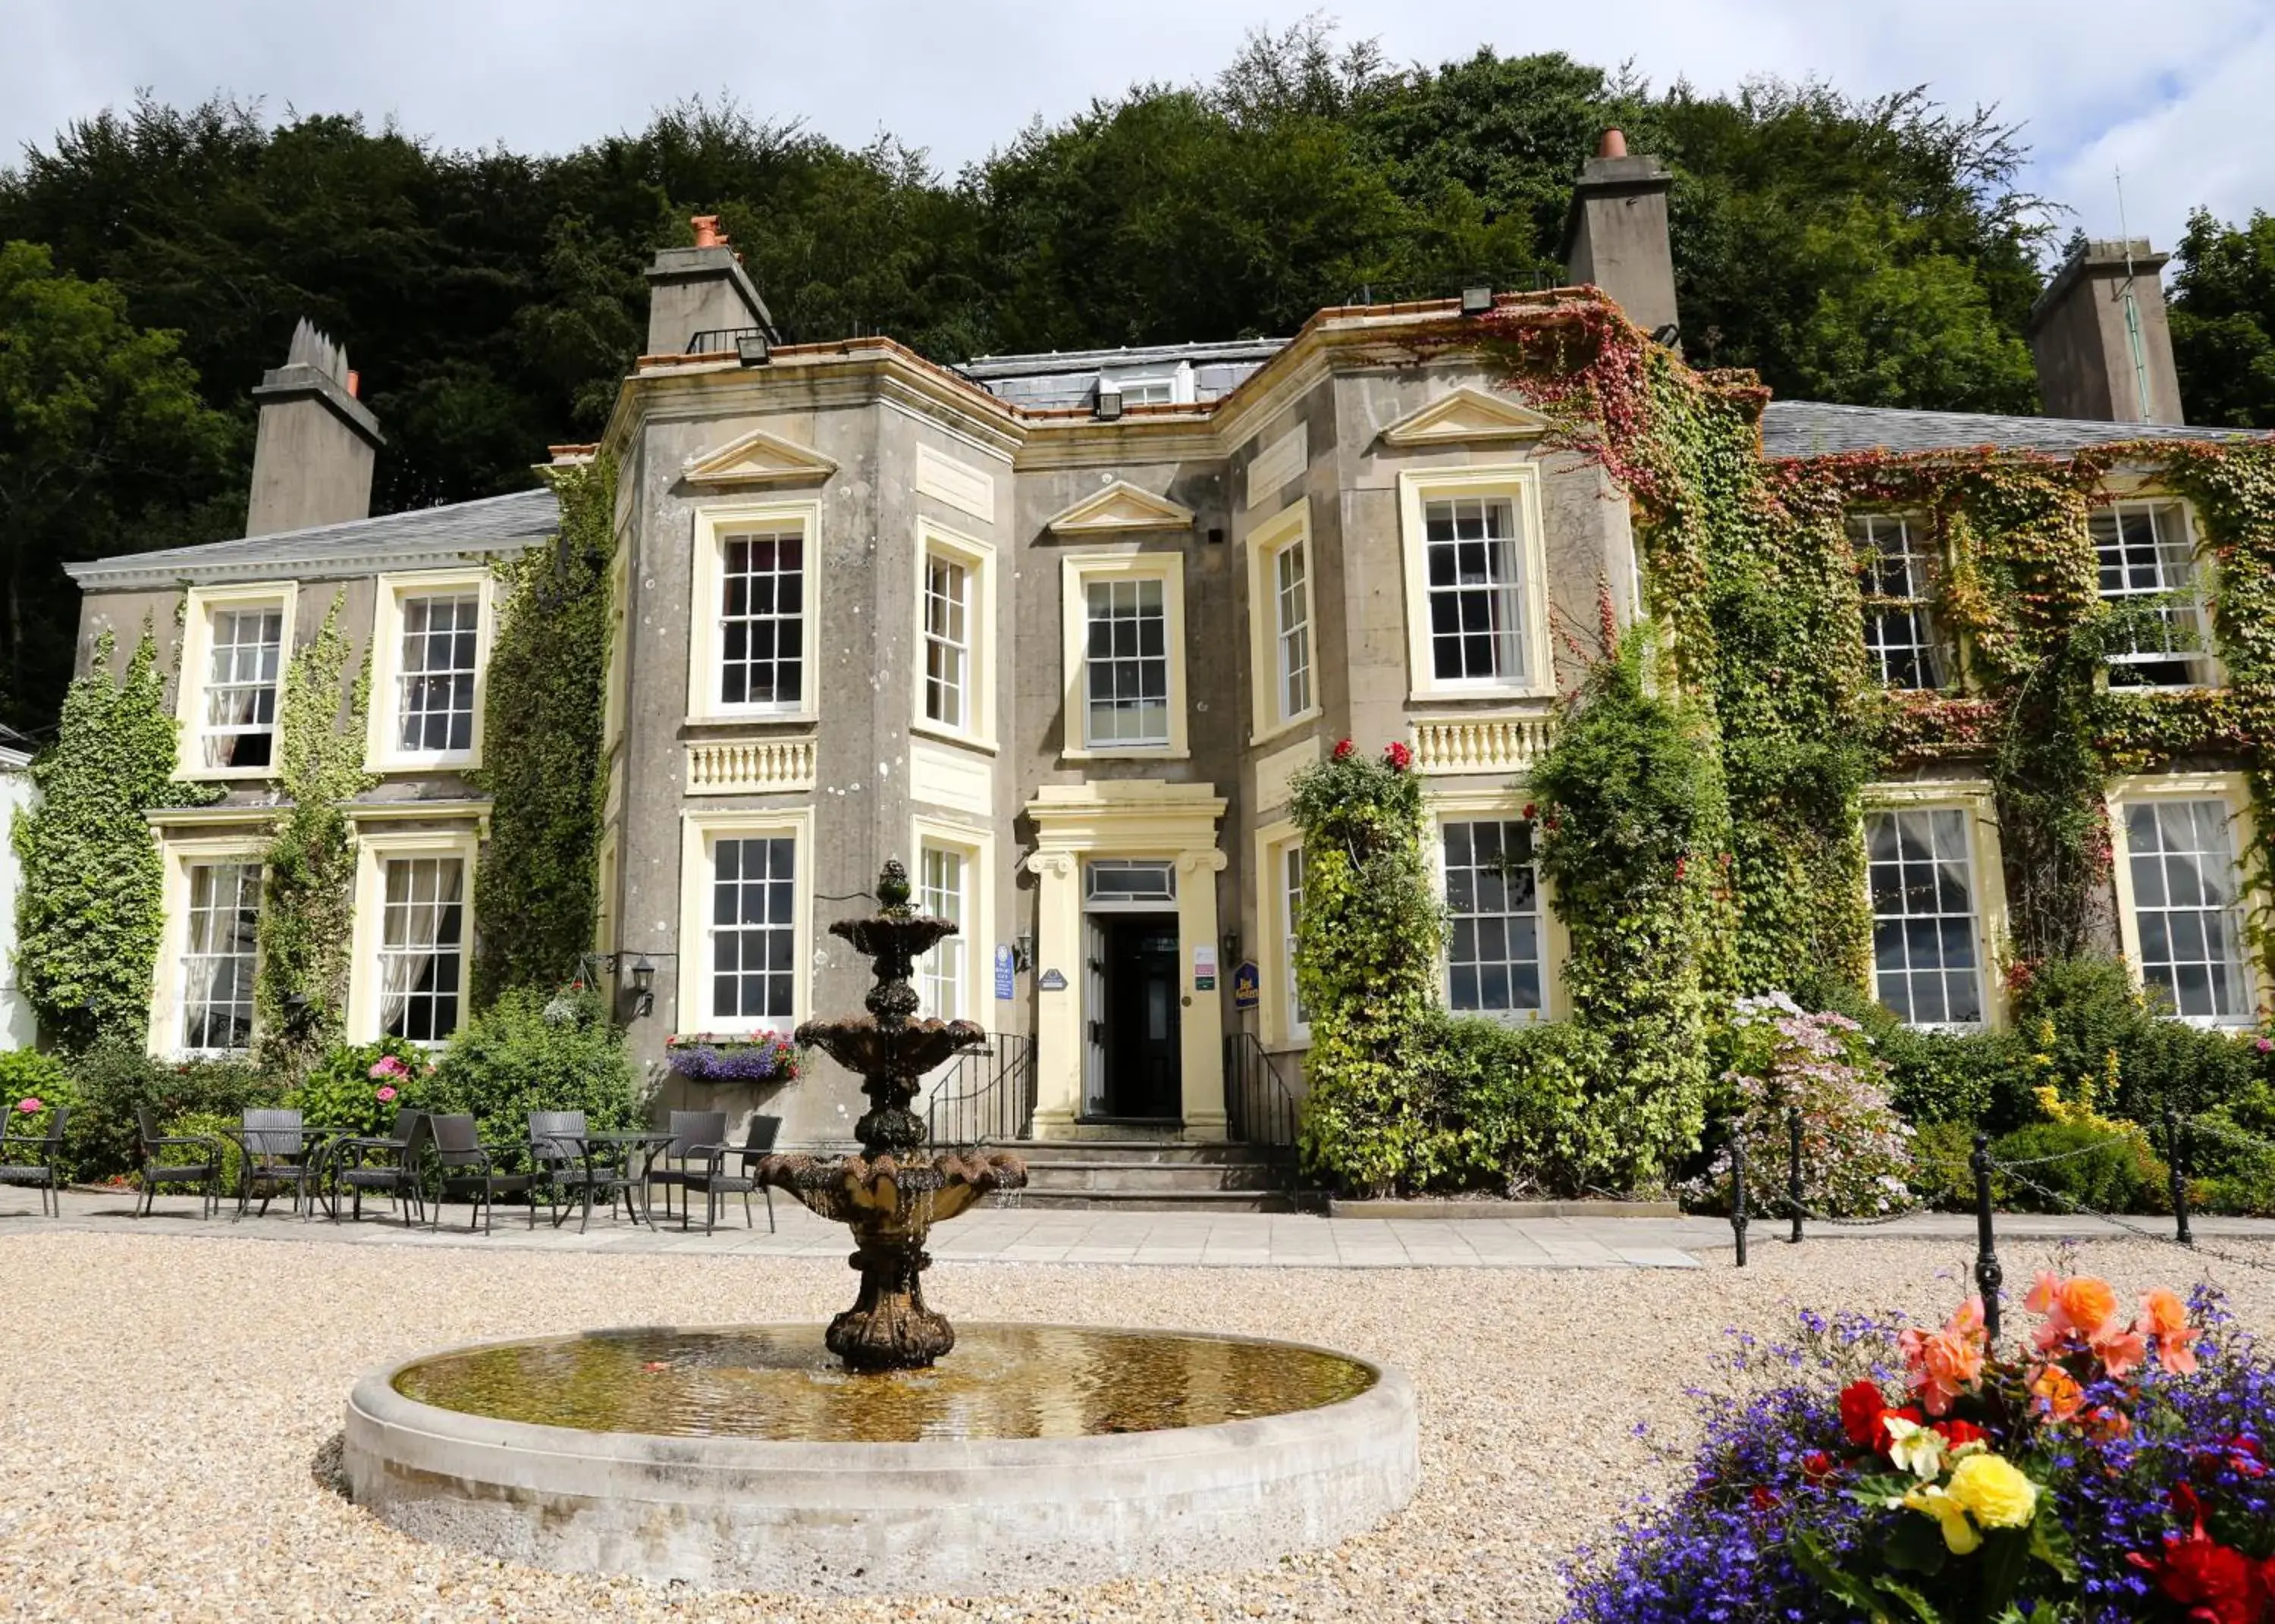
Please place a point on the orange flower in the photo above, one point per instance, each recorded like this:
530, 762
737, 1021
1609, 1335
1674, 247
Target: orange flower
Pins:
2087, 1302
2121, 1350
1945, 1364
2165, 1320
2054, 1389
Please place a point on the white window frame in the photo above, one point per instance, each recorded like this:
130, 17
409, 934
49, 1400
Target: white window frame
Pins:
698, 831
1276, 962
382, 751
978, 558
169, 1000
373, 852
1077, 572
197, 657
1986, 873
1176, 378
1267, 542
1917, 554
1505, 806
1519, 484
976, 941
2204, 659
2234, 790
713, 525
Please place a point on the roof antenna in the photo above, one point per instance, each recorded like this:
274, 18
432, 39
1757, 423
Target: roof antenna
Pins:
2132, 307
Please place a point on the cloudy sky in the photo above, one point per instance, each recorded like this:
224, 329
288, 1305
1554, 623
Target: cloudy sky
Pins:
2181, 94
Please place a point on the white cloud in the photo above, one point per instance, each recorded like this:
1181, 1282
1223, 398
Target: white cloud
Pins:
2178, 95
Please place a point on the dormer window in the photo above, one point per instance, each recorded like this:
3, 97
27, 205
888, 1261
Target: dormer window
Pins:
1153, 386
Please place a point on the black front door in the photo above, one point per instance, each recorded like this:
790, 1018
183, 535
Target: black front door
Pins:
1140, 1016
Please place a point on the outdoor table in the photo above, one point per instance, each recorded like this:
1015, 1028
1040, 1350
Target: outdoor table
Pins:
326, 1157
616, 1153
320, 1143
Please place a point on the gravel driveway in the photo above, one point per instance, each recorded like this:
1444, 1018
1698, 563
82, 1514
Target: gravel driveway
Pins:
170, 1409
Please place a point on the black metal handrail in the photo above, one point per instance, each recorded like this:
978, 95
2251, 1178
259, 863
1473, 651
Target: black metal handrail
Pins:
1260, 1108
719, 340
986, 1096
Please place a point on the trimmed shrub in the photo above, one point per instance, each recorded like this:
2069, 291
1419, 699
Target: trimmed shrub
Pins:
1508, 1104
344, 1088
28, 1076
530, 1053
2127, 1176
116, 1077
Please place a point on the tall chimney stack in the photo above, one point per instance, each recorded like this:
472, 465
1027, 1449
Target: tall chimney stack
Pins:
2099, 338
1615, 235
312, 455
702, 289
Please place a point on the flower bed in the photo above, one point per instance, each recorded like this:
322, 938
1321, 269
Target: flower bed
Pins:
2113, 1466
704, 1057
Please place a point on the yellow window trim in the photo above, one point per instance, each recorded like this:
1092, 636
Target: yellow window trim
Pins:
1976, 797
197, 657
381, 754
181, 853
2233, 789
1474, 805
1291, 526
1520, 483
698, 830
978, 558
976, 939
1077, 569
1274, 973
374, 848
712, 523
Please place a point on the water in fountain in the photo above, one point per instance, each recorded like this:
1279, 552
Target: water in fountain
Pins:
891, 1193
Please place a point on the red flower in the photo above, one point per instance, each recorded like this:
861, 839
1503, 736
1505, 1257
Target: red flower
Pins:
1527, 813
1957, 1433
1862, 1406
1763, 1500
1342, 749
2216, 1583
1399, 757
1817, 1466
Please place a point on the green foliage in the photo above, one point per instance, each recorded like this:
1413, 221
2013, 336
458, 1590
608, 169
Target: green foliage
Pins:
340, 1091
115, 1076
27, 1075
532, 1052
537, 891
306, 917
2125, 1177
1635, 830
2231, 1153
1366, 967
1970, 1079
2223, 318
87, 915
103, 442
1510, 1107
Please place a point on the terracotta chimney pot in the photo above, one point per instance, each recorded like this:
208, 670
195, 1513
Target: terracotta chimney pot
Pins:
707, 234
355, 384
1614, 145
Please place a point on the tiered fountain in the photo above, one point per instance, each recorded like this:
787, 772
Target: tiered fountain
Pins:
783, 1457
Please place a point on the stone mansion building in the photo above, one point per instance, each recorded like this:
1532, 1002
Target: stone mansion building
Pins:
1058, 630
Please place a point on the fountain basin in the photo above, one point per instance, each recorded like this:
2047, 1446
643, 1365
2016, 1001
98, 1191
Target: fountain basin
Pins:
745, 1458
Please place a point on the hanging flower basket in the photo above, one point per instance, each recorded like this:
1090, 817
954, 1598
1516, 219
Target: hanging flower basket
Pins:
707, 1057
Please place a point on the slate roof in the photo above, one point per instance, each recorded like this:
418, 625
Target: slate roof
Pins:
1061, 378
1819, 428
424, 538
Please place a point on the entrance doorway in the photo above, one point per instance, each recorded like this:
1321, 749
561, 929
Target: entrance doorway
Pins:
1131, 994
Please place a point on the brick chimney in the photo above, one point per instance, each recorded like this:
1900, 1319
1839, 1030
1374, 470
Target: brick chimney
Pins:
2099, 338
312, 455
1615, 235
702, 289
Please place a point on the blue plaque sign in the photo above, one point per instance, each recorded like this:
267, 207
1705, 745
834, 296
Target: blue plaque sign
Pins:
1003, 970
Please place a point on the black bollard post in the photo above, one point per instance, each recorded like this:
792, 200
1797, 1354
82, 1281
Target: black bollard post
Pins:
1738, 1192
1793, 1170
1988, 1275
2176, 1160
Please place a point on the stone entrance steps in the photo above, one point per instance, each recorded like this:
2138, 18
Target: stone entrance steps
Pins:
1148, 1173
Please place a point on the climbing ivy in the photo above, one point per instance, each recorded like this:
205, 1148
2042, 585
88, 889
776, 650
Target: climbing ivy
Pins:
87, 913
306, 916
538, 889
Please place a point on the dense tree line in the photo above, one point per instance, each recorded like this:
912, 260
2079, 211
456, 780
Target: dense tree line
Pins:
1877, 250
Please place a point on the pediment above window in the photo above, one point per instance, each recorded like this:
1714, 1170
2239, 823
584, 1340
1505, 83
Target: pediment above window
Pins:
1120, 507
1467, 414
757, 458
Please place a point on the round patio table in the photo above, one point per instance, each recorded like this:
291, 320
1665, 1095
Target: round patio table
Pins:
609, 1159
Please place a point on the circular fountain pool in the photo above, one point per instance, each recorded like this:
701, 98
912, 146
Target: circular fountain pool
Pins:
747, 1457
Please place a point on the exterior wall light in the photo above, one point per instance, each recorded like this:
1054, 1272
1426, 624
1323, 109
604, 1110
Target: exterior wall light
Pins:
1477, 301
643, 987
752, 349
1109, 404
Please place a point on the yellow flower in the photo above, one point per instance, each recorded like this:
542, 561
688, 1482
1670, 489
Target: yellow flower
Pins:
1958, 1533
1993, 1489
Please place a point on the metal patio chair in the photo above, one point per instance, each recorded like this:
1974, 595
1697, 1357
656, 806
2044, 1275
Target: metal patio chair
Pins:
203, 1170
43, 1171
687, 1158
278, 1148
561, 1162
467, 1165
393, 1167
715, 1181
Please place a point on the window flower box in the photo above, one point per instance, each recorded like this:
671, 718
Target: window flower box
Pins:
710, 1057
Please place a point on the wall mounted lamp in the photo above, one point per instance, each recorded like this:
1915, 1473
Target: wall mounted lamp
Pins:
643, 987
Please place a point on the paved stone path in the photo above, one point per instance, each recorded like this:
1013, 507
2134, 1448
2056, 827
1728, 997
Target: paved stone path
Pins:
1035, 1234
